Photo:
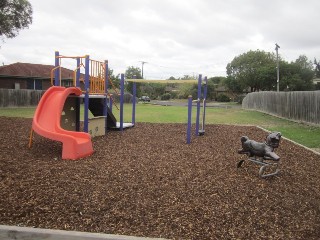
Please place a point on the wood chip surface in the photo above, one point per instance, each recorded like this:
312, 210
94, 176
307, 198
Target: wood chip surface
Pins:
146, 181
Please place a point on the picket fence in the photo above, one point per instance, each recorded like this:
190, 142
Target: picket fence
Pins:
302, 106
19, 97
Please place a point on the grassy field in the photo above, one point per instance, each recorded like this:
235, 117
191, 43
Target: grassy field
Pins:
301, 133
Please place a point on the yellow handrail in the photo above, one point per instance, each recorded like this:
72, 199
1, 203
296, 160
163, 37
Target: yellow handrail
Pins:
52, 75
75, 73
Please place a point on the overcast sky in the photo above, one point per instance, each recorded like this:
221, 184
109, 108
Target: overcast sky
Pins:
174, 37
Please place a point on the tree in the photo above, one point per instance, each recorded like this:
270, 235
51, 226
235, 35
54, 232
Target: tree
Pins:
114, 80
296, 76
187, 77
153, 90
317, 68
253, 69
216, 80
233, 85
14, 16
210, 90
304, 62
133, 73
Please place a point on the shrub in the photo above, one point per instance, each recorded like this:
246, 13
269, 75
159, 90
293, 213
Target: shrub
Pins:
223, 98
165, 96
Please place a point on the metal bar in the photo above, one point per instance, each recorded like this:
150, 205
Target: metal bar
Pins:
57, 70
86, 99
198, 105
189, 119
78, 73
191, 81
204, 102
134, 93
105, 66
121, 101
51, 75
73, 57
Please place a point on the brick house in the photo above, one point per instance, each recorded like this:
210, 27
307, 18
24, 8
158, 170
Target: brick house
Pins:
31, 76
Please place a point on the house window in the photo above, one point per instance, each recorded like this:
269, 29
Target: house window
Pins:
35, 84
67, 83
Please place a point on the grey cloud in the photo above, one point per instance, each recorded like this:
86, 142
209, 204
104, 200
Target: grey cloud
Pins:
174, 36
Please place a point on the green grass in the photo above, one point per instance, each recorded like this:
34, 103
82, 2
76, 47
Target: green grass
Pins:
17, 112
301, 133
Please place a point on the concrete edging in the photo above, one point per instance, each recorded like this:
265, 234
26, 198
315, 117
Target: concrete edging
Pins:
28, 233
300, 145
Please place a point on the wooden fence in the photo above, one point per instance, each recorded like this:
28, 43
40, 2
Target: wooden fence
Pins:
19, 98
299, 106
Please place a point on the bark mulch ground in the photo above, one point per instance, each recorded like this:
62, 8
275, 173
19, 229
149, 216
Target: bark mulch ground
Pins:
146, 181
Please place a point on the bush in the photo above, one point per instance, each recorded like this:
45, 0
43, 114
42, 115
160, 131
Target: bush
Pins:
127, 98
223, 98
165, 96
240, 98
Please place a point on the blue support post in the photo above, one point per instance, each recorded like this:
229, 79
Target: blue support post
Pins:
57, 71
86, 97
198, 105
78, 73
204, 102
134, 90
78, 99
105, 100
121, 101
189, 119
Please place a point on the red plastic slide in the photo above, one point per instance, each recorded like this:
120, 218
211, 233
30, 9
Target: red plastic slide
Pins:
46, 122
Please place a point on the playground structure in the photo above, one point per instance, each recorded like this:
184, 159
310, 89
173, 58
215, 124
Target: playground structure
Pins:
57, 116
200, 82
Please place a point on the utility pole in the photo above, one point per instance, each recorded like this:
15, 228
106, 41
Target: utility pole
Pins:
277, 47
142, 63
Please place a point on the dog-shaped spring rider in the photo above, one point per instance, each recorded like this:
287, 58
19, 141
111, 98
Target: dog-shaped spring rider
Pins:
262, 153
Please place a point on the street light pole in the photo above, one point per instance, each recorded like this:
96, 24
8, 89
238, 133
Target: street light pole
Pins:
142, 63
277, 47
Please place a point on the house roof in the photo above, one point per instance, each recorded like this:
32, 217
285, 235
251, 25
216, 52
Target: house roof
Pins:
33, 70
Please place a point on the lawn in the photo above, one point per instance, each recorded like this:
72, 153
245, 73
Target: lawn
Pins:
301, 133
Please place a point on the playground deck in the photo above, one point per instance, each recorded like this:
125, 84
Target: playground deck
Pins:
146, 181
